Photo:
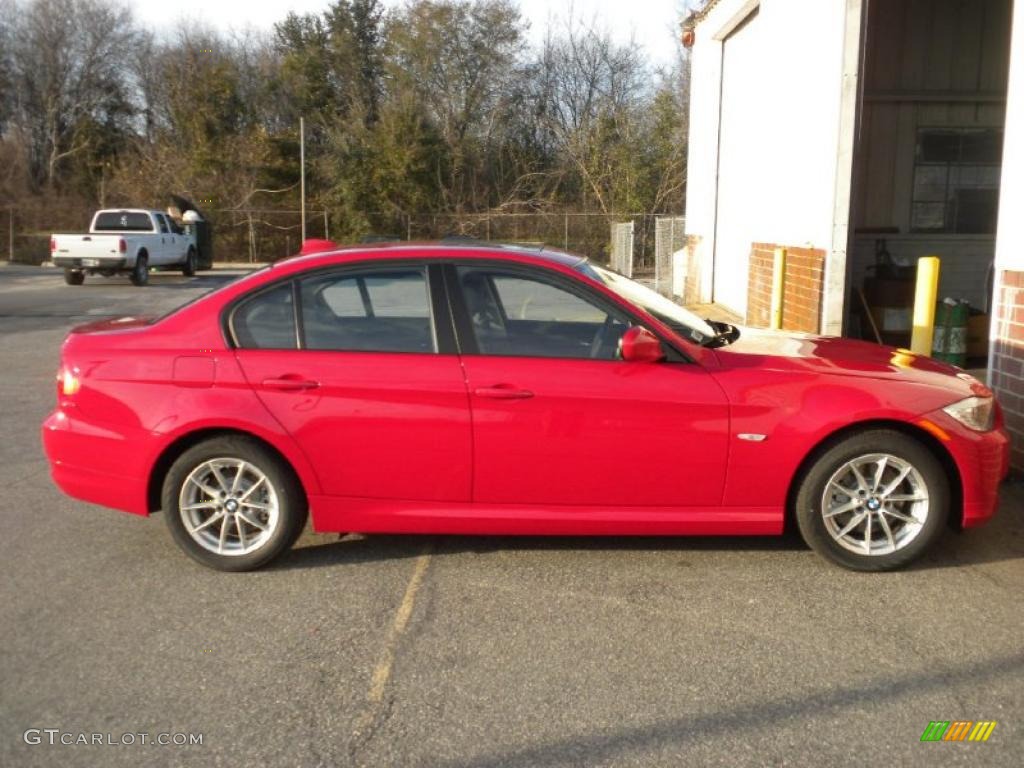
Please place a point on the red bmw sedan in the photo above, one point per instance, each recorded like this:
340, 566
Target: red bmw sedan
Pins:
460, 389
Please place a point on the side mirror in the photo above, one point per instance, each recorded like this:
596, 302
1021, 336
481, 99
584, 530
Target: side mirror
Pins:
638, 345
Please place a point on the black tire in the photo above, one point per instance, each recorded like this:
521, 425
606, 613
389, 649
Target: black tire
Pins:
810, 500
292, 506
140, 272
189, 268
74, 277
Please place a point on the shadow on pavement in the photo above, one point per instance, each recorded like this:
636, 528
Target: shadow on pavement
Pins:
606, 747
1001, 540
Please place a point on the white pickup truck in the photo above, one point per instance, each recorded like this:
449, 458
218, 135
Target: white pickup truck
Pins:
125, 241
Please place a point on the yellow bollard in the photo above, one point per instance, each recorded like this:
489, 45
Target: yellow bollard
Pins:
924, 305
778, 286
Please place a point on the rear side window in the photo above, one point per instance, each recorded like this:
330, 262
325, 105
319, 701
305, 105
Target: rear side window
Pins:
123, 221
266, 321
375, 311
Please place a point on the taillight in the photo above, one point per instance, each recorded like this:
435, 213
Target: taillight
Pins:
122, 246
53, 244
68, 382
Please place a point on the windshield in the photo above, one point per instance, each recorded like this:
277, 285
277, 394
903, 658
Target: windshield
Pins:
680, 320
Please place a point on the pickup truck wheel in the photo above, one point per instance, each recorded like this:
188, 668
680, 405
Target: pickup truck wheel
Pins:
74, 277
231, 504
189, 268
140, 273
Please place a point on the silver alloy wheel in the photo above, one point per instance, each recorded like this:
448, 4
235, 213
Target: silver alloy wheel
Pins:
229, 506
875, 504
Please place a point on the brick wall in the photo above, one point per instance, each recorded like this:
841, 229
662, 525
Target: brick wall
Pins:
803, 289
1008, 359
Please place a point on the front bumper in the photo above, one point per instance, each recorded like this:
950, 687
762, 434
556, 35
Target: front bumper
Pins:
74, 262
100, 464
983, 460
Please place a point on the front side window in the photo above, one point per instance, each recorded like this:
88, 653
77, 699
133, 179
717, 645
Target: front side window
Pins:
266, 320
519, 315
376, 311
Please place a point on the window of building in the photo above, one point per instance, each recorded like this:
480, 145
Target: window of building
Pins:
956, 180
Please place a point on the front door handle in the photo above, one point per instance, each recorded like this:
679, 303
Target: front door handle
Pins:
290, 383
503, 392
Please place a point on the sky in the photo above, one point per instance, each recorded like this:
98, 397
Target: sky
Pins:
651, 23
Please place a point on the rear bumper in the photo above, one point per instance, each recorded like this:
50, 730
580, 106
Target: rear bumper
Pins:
983, 459
99, 464
74, 262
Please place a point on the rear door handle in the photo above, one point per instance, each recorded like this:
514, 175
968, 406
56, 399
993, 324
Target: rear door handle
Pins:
503, 392
290, 383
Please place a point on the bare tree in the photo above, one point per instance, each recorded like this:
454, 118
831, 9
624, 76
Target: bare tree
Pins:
7, 11
68, 66
458, 58
433, 106
590, 93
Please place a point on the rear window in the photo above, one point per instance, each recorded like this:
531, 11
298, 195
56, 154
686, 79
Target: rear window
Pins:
123, 221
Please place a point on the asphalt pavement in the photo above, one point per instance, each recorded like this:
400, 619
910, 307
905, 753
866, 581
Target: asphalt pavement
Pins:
448, 651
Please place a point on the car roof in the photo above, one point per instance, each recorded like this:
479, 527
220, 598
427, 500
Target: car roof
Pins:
127, 210
434, 249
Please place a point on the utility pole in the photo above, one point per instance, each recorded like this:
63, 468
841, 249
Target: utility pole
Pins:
302, 172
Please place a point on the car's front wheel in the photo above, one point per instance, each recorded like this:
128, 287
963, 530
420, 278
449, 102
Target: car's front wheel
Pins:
231, 504
873, 501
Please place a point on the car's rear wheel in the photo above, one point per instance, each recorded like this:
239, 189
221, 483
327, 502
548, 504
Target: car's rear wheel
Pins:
74, 277
874, 501
140, 273
232, 504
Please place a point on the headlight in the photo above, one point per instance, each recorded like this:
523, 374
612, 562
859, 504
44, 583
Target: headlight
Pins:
974, 412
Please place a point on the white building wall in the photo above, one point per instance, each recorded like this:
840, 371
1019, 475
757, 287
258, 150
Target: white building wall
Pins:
801, 96
1010, 237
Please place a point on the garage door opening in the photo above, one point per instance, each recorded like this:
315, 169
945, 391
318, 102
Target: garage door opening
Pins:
927, 167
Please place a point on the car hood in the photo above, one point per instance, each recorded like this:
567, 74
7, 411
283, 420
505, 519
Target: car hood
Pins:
778, 350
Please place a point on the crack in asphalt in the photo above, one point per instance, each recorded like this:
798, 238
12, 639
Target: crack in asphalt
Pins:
378, 708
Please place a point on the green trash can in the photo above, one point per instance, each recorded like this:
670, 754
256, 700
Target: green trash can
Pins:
950, 340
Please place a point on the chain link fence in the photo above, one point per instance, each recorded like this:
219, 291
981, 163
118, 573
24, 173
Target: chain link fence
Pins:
262, 235
623, 247
669, 239
584, 233
27, 228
